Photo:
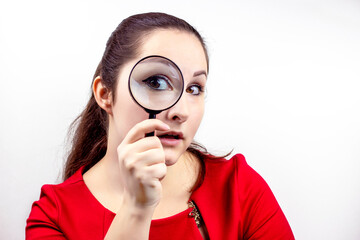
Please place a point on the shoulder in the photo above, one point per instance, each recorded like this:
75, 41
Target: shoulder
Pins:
242, 192
234, 173
63, 210
238, 160
236, 168
233, 178
57, 192
52, 194
237, 173
45, 216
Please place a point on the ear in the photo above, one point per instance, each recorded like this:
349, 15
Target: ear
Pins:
103, 95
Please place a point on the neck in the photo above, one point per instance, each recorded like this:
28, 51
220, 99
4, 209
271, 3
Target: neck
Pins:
180, 177
177, 185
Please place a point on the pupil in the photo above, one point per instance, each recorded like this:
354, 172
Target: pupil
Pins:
154, 83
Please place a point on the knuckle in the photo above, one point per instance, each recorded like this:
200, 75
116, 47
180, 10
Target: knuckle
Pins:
119, 150
164, 169
122, 151
139, 176
136, 127
129, 163
156, 184
159, 171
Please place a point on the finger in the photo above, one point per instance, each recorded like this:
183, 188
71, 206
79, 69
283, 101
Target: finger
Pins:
132, 152
145, 144
150, 173
157, 170
139, 161
146, 126
151, 157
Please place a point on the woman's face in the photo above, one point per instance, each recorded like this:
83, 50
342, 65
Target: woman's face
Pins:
184, 118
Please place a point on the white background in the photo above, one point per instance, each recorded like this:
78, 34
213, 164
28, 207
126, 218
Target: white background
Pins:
283, 90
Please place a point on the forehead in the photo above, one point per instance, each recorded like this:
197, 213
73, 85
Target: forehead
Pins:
182, 47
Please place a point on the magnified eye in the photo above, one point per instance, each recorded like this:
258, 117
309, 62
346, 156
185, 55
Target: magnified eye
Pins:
158, 82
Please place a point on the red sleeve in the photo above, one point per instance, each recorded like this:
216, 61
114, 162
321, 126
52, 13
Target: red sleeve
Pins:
43, 220
262, 216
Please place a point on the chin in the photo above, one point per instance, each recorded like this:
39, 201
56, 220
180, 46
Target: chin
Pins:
171, 157
169, 161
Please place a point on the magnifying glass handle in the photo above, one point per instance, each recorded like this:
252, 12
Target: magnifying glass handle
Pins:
151, 116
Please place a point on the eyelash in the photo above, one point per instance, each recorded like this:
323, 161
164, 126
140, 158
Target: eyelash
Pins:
199, 87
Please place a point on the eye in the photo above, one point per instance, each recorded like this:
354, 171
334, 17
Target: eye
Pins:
195, 89
158, 82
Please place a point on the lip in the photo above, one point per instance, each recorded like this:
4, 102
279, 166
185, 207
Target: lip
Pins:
170, 141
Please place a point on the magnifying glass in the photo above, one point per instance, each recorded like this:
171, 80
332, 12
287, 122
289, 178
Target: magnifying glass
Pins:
156, 84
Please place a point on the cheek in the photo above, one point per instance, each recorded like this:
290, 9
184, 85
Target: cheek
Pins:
127, 113
196, 115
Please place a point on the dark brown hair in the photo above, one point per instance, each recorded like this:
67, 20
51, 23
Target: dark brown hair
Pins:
89, 130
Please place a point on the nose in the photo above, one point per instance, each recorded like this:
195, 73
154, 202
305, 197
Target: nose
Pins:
180, 111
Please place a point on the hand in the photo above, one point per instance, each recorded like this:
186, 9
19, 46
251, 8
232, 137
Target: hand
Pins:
142, 164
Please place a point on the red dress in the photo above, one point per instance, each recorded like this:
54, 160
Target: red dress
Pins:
234, 203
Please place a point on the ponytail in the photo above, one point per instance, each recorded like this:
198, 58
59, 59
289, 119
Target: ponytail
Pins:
89, 142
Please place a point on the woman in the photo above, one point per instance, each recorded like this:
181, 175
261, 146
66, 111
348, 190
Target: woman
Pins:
120, 184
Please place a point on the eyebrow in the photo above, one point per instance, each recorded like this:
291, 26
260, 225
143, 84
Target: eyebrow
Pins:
198, 73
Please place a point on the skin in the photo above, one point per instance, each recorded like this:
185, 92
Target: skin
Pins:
137, 176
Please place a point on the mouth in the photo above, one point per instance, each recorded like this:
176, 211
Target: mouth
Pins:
170, 138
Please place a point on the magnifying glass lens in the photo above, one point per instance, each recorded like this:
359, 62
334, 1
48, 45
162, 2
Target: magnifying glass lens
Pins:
156, 83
